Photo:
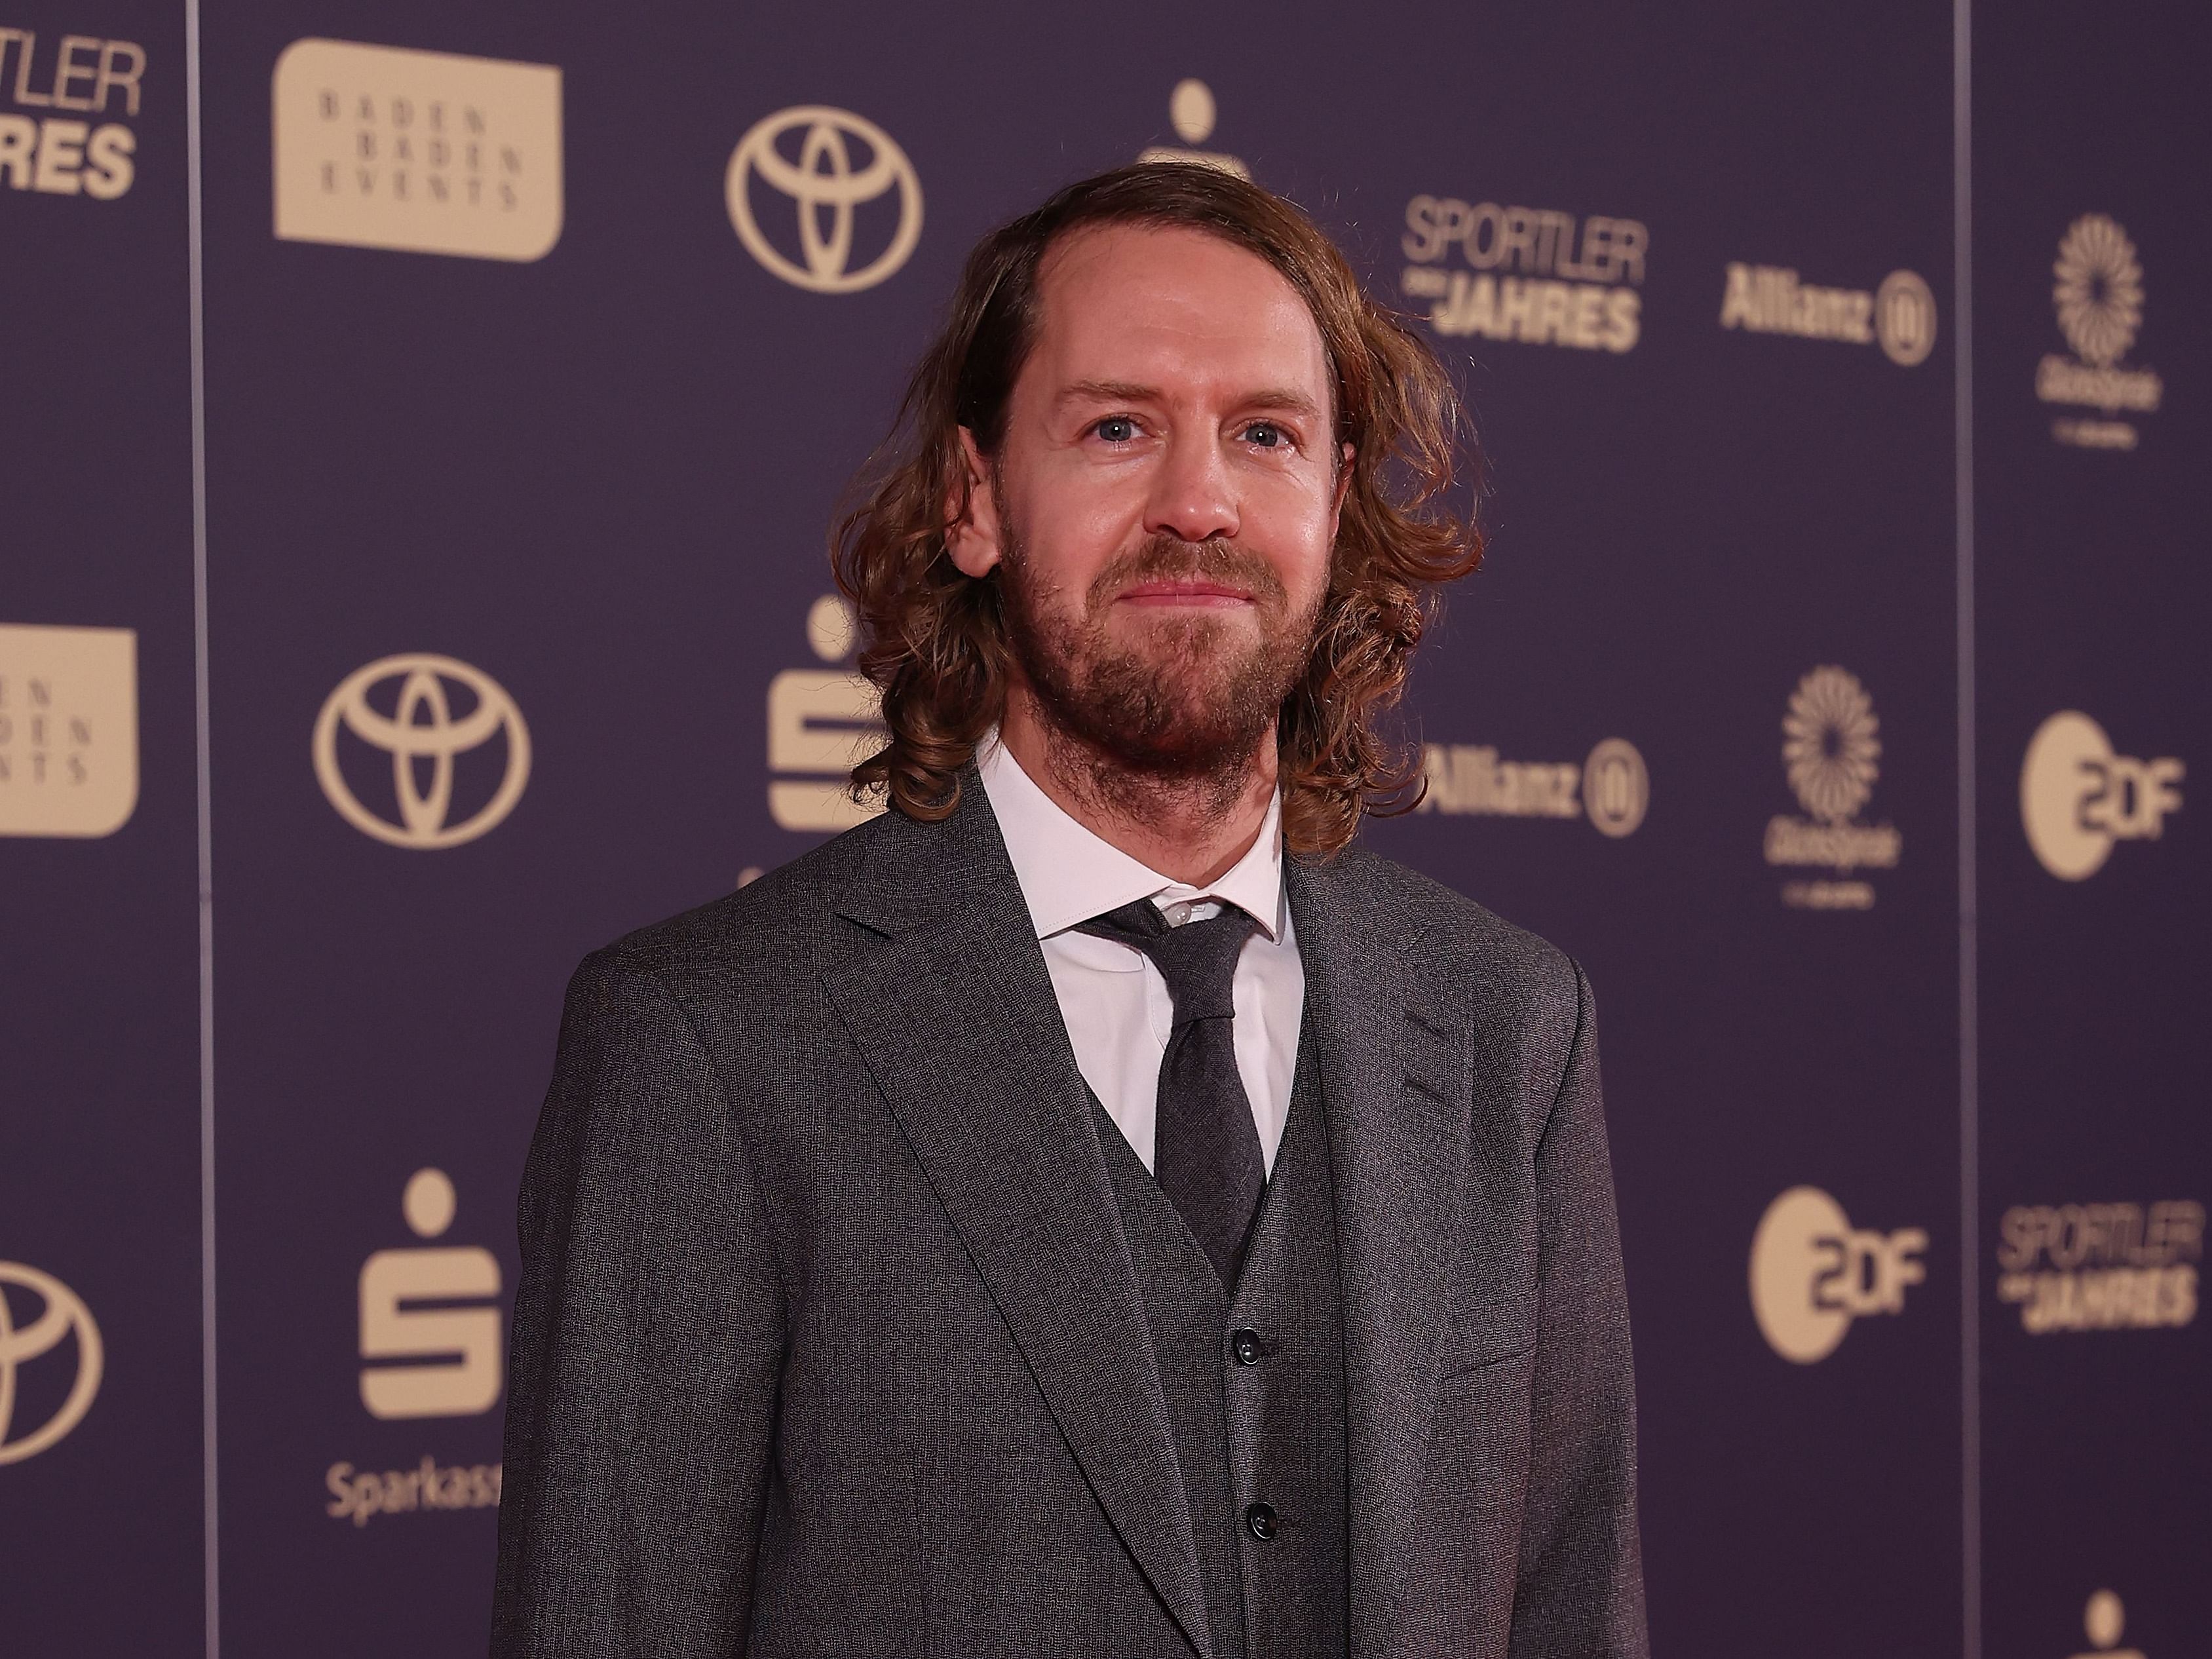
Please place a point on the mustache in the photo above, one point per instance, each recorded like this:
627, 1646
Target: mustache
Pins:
1169, 558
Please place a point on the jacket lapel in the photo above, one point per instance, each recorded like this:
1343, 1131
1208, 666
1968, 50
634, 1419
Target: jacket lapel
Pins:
1394, 1064
953, 1008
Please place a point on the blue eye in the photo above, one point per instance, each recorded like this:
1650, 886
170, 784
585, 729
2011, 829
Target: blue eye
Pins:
1117, 428
1266, 435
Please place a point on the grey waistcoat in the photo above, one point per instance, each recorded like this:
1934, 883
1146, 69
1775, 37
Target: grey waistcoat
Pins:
1269, 1430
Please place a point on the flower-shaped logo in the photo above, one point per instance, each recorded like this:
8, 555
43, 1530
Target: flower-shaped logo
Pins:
2099, 292
1830, 745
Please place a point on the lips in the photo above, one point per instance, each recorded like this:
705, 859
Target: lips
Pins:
1188, 591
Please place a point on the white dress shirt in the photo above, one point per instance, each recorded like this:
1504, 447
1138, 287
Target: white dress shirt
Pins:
1114, 1000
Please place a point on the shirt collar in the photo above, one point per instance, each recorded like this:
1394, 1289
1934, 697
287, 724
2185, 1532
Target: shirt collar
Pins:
1068, 874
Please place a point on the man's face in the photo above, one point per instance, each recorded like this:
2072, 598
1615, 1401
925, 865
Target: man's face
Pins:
1163, 506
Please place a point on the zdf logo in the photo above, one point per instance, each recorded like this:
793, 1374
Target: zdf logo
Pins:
450, 1353
1812, 1273
2077, 797
405, 708
822, 186
61, 1315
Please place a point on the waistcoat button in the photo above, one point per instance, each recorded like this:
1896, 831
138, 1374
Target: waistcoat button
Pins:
1245, 1345
1260, 1521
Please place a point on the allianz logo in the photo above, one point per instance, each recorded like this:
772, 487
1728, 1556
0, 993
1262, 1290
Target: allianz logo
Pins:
1611, 787
821, 723
1899, 316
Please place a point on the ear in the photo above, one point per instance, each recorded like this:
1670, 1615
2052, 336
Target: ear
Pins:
974, 538
1343, 488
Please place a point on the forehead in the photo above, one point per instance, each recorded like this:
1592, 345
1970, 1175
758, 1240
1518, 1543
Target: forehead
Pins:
1171, 307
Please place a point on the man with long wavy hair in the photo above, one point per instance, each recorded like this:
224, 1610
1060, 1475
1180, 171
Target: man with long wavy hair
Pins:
1091, 1209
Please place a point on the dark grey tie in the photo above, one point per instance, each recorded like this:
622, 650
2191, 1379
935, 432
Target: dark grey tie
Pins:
1205, 1148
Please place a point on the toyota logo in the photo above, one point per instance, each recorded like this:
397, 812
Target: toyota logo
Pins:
424, 736
62, 1313
825, 181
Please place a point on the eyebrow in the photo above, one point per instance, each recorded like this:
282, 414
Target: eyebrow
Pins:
1282, 397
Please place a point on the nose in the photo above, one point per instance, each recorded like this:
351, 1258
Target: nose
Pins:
1192, 497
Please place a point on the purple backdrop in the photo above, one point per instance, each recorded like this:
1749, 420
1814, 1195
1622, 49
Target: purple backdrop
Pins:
531, 346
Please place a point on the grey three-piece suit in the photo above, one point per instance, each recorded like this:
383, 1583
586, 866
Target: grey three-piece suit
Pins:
849, 1325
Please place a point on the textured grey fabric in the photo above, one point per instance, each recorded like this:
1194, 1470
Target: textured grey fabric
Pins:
1205, 1148
1186, 1316
827, 1340
1286, 1410
1270, 1431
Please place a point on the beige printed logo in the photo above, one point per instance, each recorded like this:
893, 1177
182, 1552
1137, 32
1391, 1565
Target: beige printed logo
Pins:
1832, 753
1900, 317
420, 152
1191, 112
60, 1316
1813, 1274
2101, 1266
839, 162
69, 730
821, 723
2077, 797
359, 1496
1536, 275
51, 150
424, 735
1904, 318
2096, 290
2104, 1621
1612, 787
448, 1356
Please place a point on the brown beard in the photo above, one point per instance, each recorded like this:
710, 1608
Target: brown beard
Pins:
1186, 709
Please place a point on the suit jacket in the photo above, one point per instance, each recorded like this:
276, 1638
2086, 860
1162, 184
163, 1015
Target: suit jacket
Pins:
827, 1340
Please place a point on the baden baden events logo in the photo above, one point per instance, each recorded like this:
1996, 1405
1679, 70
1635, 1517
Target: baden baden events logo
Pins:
1192, 113
402, 710
1611, 787
69, 730
838, 191
2098, 292
56, 153
1831, 751
2077, 797
2100, 1267
821, 722
420, 152
1899, 316
44, 1326
1813, 1274
1536, 275
424, 1361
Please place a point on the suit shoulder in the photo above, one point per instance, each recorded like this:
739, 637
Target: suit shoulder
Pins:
1447, 930
782, 916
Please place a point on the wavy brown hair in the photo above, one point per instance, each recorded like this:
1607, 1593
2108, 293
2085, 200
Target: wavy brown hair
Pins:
934, 639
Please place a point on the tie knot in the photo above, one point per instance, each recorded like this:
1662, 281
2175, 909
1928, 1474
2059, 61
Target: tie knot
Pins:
1198, 960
